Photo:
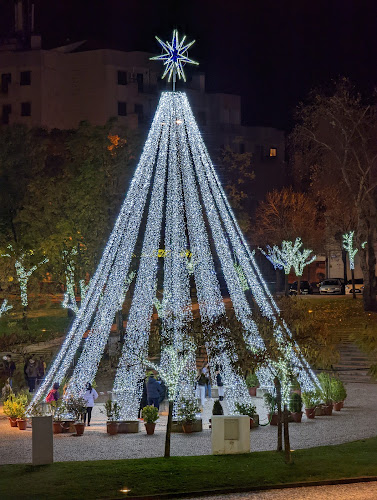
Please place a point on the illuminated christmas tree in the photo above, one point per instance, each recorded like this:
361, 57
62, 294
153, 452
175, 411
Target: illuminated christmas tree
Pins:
176, 203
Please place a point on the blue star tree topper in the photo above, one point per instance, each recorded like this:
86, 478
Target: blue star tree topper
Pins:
175, 57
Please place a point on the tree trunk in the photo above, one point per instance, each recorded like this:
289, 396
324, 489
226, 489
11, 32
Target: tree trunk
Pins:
168, 430
298, 285
286, 288
353, 283
344, 259
367, 264
24, 319
287, 445
278, 403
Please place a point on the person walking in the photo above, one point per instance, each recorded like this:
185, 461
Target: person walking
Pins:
220, 385
90, 396
41, 370
32, 373
154, 391
201, 384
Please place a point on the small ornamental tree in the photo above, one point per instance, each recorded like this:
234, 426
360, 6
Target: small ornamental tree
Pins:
23, 276
4, 307
349, 248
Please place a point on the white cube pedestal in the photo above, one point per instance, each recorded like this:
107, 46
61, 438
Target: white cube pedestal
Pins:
230, 435
42, 441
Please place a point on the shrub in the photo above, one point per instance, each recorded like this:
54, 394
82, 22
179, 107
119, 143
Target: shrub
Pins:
76, 407
252, 380
149, 414
246, 409
326, 387
295, 403
112, 410
187, 410
270, 403
339, 392
310, 399
217, 408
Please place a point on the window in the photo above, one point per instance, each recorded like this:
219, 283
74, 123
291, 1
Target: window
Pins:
25, 109
139, 110
122, 108
6, 79
25, 78
273, 152
7, 109
140, 82
122, 78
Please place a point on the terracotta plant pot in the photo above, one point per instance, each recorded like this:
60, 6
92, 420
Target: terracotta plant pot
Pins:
13, 421
80, 427
150, 428
57, 427
273, 419
310, 412
112, 428
328, 410
252, 391
22, 423
296, 416
338, 406
342, 403
320, 411
188, 428
251, 423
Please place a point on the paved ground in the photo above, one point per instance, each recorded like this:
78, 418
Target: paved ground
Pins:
356, 421
357, 491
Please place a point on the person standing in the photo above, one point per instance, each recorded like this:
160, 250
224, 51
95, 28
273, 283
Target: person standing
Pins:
220, 385
90, 396
154, 392
201, 381
207, 373
53, 394
10, 367
41, 370
32, 373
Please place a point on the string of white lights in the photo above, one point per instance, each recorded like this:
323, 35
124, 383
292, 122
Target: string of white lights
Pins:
130, 373
348, 247
125, 229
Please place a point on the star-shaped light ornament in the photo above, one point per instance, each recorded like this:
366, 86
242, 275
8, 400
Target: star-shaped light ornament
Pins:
175, 57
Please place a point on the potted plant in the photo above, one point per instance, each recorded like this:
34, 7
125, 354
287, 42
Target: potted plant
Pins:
326, 391
150, 415
252, 384
21, 414
310, 400
113, 414
295, 407
187, 412
271, 405
339, 393
11, 410
77, 407
57, 409
247, 409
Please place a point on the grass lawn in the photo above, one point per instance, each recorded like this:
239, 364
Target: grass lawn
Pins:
157, 476
44, 324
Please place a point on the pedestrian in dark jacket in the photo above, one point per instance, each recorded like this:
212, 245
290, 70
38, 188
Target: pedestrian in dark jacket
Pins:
32, 372
153, 392
220, 385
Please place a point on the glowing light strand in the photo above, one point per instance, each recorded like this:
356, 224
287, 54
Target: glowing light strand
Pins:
349, 248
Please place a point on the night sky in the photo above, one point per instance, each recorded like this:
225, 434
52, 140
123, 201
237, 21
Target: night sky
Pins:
270, 52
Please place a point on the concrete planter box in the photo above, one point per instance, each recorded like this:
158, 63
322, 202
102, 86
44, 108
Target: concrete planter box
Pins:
128, 426
230, 435
42, 441
177, 426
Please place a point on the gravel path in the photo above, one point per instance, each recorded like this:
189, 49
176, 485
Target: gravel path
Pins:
357, 420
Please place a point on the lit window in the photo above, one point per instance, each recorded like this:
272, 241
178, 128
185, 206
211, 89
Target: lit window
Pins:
273, 152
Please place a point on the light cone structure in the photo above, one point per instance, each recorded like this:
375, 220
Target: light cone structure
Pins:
175, 202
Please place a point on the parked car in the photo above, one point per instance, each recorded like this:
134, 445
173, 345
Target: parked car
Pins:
305, 288
359, 286
332, 285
